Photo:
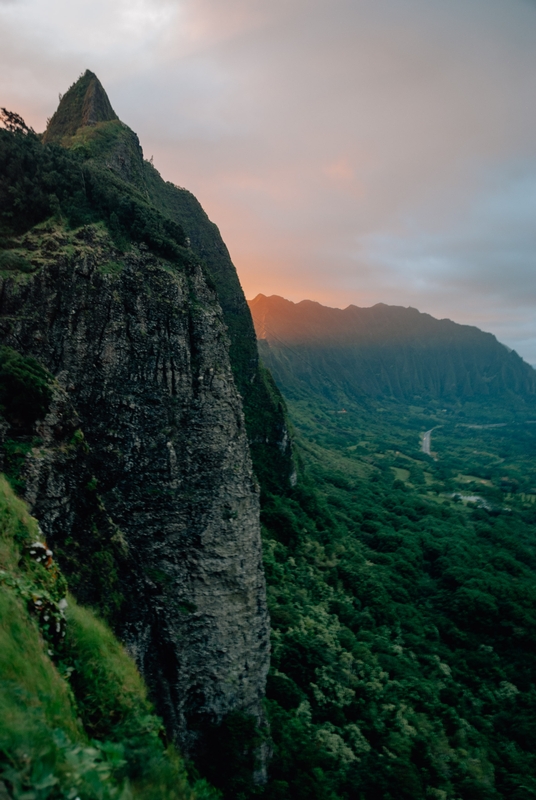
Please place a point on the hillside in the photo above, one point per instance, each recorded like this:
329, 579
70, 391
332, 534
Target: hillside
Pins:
383, 351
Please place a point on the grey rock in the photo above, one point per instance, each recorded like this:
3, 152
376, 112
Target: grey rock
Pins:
140, 354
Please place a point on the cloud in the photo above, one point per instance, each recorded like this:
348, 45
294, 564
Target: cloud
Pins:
349, 150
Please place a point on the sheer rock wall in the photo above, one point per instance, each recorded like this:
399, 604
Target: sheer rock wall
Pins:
140, 354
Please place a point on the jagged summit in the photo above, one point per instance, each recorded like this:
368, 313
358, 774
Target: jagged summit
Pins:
85, 103
86, 122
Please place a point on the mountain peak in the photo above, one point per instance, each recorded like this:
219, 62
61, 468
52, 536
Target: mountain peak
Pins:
84, 103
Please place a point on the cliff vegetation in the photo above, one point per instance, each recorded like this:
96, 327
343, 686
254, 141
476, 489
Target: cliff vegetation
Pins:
75, 720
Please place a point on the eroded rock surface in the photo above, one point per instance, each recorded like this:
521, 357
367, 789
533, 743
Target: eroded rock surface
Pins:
158, 487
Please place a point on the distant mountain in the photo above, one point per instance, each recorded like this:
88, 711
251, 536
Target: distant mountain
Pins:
383, 351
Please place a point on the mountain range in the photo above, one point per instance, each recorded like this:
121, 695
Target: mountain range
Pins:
384, 351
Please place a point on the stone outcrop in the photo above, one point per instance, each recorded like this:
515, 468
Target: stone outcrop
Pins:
143, 469
85, 103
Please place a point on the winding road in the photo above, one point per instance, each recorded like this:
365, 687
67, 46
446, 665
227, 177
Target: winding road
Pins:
426, 441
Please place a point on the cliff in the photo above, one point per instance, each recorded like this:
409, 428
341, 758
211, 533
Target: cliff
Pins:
138, 468
386, 351
87, 126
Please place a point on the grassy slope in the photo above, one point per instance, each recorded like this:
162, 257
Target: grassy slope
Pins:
74, 715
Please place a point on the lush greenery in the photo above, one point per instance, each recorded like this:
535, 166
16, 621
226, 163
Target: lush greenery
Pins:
25, 395
25, 389
74, 717
401, 586
402, 590
39, 180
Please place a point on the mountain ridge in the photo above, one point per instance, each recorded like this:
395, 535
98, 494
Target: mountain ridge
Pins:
384, 350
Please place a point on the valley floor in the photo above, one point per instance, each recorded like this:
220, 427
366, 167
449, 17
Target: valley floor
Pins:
402, 591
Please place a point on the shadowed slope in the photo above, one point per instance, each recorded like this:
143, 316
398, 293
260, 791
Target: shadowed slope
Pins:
384, 351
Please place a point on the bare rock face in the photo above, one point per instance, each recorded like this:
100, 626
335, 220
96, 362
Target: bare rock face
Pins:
143, 471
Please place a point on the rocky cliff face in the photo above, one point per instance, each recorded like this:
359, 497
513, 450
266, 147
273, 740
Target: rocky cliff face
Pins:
86, 124
142, 472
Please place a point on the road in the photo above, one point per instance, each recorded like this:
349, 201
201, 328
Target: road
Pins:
426, 441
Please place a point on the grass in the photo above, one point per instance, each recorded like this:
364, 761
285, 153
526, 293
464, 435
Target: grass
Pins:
111, 694
75, 720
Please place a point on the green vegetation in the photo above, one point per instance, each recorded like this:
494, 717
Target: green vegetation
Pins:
74, 716
93, 562
403, 615
39, 181
25, 389
25, 395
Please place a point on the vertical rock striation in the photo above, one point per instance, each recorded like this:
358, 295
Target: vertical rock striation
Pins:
139, 349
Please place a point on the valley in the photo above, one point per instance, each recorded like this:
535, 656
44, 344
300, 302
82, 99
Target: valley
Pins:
401, 590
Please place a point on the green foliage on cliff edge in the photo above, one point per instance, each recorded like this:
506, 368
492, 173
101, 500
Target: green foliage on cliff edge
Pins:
25, 389
38, 181
74, 716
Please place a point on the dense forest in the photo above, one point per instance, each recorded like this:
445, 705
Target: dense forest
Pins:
402, 590
401, 584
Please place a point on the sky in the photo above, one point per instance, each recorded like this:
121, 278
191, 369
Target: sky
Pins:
350, 151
